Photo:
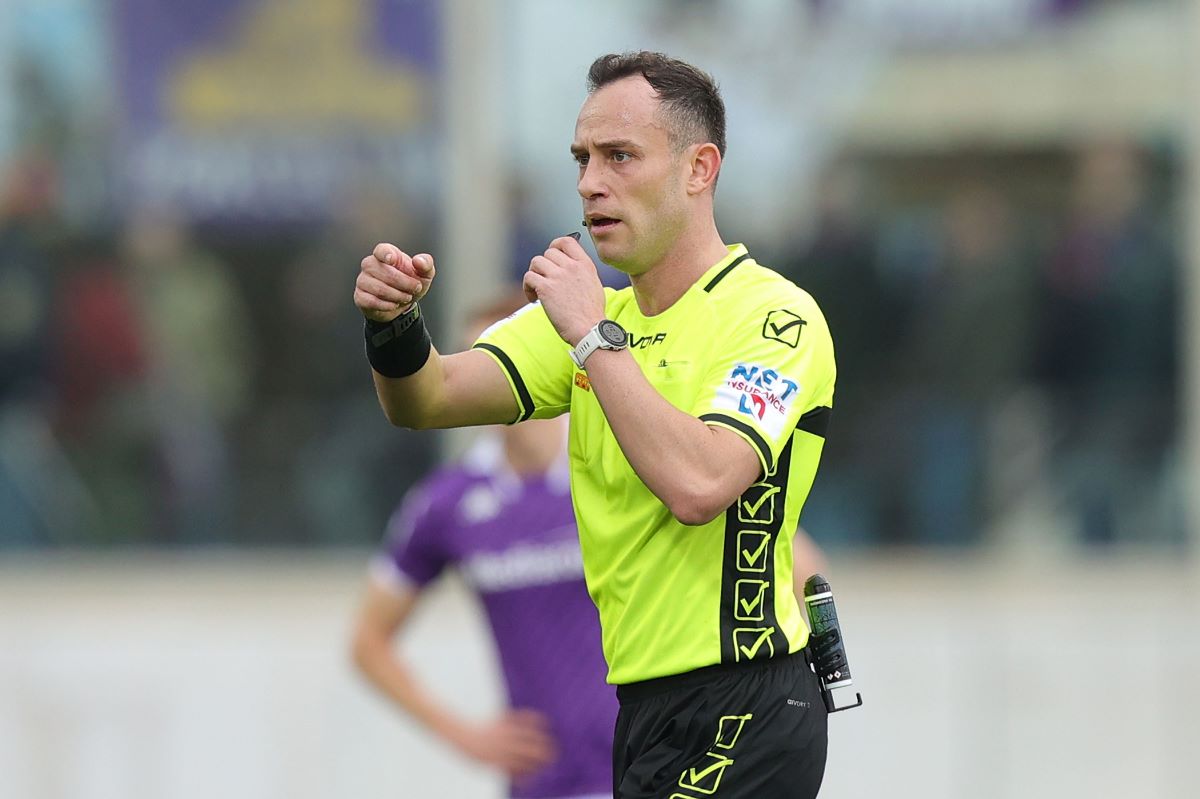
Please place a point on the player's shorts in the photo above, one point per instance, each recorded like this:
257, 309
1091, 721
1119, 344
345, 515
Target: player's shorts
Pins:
754, 730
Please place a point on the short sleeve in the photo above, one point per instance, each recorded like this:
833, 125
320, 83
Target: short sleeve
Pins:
535, 360
413, 553
772, 372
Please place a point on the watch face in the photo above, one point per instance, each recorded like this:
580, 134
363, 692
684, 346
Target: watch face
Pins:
611, 332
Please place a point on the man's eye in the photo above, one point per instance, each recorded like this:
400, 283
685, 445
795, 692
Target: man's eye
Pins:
581, 160
621, 157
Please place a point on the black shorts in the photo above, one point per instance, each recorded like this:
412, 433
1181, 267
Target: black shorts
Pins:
742, 731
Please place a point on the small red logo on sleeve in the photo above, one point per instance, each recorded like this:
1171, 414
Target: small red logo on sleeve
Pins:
582, 381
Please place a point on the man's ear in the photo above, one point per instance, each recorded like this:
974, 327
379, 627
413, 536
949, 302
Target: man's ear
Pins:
705, 162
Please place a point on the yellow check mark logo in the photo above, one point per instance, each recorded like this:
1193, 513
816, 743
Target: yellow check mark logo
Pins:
751, 558
752, 509
750, 652
692, 777
756, 589
750, 606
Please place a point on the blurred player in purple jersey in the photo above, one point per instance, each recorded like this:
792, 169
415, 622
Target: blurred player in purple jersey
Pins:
502, 517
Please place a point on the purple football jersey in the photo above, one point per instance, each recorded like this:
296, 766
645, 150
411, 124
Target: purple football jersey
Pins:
514, 541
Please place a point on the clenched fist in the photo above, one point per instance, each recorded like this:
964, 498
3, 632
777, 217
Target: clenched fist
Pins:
565, 280
390, 281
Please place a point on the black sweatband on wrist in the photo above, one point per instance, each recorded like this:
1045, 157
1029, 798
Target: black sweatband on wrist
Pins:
398, 348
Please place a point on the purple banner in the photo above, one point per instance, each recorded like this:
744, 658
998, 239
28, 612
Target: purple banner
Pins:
275, 109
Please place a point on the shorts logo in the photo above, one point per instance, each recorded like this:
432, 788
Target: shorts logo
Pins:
704, 778
784, 327
759, 392
729, 729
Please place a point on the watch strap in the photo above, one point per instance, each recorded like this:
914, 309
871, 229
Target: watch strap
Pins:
591, 342
586, 346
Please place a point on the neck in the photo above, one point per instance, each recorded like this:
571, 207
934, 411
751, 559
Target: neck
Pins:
530, 448
694, 253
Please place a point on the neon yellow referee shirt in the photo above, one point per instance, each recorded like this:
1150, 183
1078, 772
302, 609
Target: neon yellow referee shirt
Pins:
743, 349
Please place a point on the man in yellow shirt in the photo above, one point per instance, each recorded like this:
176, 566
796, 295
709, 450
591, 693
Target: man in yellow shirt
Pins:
699, 399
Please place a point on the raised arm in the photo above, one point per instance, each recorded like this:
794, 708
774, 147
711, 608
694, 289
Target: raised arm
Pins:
695, 469
417, 386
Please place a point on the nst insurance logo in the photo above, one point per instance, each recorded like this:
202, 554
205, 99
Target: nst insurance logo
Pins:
760, 392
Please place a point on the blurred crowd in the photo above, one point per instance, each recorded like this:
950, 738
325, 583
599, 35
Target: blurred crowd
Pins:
160, 384
1007, 358
1007, 330
1006, 323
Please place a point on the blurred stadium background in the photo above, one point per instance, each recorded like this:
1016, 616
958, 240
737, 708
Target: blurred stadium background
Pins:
994, 200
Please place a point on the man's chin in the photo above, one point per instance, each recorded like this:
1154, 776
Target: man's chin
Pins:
616, 257
609, 255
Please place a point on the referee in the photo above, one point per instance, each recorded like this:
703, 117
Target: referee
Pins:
698, 400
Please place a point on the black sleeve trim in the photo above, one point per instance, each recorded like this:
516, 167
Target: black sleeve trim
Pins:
755, 437
717, 278
523, 395
816, 421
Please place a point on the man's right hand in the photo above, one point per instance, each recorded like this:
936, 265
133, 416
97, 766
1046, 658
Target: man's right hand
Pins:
518, 743
389, 282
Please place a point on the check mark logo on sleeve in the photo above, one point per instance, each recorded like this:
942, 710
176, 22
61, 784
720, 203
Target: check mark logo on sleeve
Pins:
784, 327
780, 329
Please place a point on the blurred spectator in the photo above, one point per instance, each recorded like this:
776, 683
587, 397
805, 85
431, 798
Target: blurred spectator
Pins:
1107, 343
838, 264
104, 413
347, 464
196, 330
28, 196
967, 350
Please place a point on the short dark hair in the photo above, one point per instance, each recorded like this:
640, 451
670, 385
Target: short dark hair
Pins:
689, 96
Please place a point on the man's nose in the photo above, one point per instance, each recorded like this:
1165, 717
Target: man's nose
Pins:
591, 181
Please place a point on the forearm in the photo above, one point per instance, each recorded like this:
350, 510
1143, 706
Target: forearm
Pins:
458, 390
413, 401
392, 677
679, 458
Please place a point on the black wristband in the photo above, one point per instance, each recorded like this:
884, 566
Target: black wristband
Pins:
398, 348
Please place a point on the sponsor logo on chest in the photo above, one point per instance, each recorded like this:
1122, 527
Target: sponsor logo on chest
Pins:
639, 342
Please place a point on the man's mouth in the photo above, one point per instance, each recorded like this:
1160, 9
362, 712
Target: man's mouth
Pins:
599, 224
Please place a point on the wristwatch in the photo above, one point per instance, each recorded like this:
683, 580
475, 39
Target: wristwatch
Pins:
606, 335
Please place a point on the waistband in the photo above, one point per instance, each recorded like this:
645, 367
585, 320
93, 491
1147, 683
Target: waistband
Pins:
632, 692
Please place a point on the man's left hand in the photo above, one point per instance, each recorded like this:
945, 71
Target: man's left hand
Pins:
564, 278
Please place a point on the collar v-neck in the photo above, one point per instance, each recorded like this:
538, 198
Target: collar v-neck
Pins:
736, 254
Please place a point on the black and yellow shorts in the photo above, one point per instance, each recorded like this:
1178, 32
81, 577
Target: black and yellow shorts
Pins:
741, 731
